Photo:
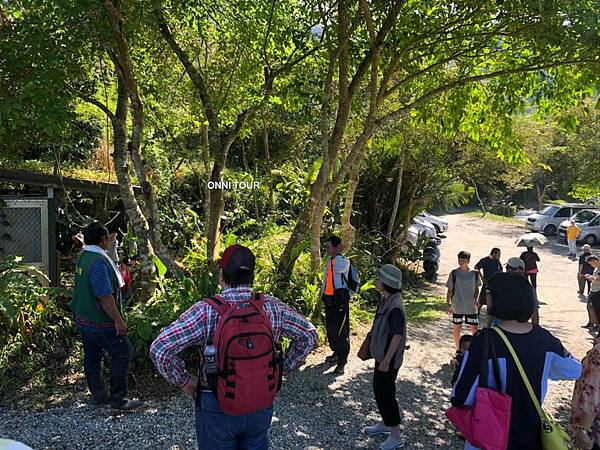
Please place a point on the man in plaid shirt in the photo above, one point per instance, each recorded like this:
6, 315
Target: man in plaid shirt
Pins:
215, 429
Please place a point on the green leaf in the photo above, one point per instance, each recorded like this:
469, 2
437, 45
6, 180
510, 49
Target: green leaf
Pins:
144, 330
230, 239
370, 284
297, 251
160, 267
9, 310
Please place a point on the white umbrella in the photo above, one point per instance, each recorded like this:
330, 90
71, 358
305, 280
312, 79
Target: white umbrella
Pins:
7, 444
531, 240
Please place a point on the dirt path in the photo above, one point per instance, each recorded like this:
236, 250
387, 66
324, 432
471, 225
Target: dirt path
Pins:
315, 410
562, 310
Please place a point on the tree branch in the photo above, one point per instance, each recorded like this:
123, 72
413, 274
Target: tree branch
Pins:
194, 74
386, 27
369, 20
269, 25
239, 123
92, 101
463, 81
423, 71
124, 60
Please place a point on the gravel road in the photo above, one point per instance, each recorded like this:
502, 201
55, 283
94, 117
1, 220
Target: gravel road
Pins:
315, 410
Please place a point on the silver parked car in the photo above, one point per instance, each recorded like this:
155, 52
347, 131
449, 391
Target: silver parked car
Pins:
549, 219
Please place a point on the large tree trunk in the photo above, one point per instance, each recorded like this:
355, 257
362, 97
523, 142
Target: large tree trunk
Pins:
146, 281
268, 166
541, 195
348, 231
217, 205
401, 237
299, 233
207, 172
254, 191
125, 67
315, 238
320, 194
393, 217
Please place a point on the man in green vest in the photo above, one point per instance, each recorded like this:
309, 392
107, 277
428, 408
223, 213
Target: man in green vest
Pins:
98, 315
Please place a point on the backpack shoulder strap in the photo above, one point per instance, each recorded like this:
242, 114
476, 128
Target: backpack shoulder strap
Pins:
453, 275
218, 303
258, 299
258, 302
534, 399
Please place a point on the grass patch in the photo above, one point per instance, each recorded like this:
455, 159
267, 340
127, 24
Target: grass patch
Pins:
423, 306
420, 306
68, 170
495, 218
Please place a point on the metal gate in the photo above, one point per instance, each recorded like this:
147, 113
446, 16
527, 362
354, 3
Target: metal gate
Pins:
24, 231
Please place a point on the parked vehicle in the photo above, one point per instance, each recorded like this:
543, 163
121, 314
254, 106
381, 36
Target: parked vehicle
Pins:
589, 222
431, 259
549, 219
424, 227
412, 235
523, 214
441, 225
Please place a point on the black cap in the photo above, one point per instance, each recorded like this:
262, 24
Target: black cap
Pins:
237, 258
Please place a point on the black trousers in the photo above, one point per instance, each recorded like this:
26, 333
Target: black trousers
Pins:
384, 388
532, 279
337, 323
582, 282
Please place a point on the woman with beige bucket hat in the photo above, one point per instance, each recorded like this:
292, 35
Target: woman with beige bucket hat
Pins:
386, 343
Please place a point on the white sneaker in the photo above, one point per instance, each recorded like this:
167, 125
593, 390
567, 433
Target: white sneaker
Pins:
392, 443
378, 428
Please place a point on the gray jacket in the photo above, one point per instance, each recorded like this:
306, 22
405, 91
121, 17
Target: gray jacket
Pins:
380, 330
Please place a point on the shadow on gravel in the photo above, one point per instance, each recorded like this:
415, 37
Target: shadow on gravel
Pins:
314, 411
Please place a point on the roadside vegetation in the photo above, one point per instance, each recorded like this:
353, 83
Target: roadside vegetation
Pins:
353, 118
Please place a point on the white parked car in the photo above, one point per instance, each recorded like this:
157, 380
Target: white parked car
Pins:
424, 227
441, 225
412, 235
589, 223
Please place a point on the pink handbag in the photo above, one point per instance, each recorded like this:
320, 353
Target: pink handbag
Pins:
486, 424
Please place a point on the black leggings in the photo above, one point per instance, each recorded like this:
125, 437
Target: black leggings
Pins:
384, 388
532, 279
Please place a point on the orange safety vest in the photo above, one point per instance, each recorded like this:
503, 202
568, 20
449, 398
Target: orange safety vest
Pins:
329, 281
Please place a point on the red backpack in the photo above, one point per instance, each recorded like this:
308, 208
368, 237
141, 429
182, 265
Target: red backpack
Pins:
249, 367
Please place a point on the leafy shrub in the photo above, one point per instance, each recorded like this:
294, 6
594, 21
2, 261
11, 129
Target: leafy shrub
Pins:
173, 297
29, 313
32, 322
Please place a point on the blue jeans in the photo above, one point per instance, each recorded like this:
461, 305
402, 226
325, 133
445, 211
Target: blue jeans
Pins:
96, 341
216, 430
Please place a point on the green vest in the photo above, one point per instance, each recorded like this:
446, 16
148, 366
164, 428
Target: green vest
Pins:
84, 303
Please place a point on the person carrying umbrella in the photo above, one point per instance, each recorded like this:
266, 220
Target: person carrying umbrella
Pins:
530, 258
